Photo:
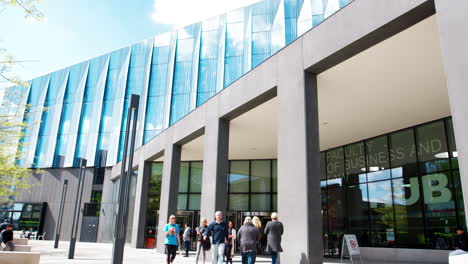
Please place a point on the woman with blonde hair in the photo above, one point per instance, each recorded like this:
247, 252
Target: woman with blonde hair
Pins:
172, 241
202, 245
258, 224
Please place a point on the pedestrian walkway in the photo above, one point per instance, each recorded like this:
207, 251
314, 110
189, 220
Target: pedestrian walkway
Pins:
100, 253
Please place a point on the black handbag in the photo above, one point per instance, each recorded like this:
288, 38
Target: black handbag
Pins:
206, 244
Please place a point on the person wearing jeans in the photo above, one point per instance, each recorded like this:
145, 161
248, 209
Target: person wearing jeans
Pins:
273, 231
7, 239
200, 241
187, 237
248, 237
218, 231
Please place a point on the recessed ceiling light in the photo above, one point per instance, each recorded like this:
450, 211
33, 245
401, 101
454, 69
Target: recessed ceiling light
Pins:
442, 155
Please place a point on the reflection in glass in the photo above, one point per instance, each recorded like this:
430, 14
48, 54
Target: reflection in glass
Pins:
239, 176
381, 213
459, 196
194, 202
377, 159
196, 173
182, 202
238, 202
408, 214
358, 208
403, 153
355, 163
184, 176
260, 173
260, 202
439, 205
335, 167
274, 175
432, 147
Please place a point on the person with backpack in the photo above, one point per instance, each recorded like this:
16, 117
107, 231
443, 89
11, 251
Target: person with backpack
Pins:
202, 245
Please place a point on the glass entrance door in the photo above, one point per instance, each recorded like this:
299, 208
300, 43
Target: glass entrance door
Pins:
191, 218
237, 219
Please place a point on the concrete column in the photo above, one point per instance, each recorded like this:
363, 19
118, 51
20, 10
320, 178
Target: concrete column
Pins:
141, 203
299, 205
215, 166
453, 20
169, 189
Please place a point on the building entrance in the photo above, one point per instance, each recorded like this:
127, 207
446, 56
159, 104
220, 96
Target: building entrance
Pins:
192, 218
237, 219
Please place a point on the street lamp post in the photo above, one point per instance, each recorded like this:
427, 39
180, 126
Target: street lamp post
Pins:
76, 213
124, 190
60, 215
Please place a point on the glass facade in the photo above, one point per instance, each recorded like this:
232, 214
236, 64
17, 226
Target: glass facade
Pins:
190, 181
252, 185
24, 216
173, 73
397, 190
400, 190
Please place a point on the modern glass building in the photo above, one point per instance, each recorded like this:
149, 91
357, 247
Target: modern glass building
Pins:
78, 112
345, 117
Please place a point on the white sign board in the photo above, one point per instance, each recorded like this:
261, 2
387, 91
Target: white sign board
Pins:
352, 244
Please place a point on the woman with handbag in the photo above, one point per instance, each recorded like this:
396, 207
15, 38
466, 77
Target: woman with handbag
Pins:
202, 245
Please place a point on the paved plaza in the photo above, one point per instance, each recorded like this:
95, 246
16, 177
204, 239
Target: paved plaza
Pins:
100, 253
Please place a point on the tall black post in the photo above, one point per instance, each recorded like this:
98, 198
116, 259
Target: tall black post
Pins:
76, 213
60, 215
124, 190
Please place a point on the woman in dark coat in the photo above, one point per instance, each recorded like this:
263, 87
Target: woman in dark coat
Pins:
273, 231
248, 236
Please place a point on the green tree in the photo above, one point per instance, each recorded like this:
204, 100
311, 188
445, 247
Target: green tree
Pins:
14, 179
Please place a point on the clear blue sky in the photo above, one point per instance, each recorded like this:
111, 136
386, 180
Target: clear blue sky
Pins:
76, 30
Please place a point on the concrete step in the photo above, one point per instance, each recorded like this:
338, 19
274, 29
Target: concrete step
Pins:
12, 257
22, 248
20, 241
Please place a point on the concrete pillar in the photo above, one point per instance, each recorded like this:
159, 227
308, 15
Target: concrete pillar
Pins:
141, 203
169, 189
215, 166
453, 20
298, 160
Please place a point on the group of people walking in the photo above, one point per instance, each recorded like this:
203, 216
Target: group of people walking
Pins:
220, 237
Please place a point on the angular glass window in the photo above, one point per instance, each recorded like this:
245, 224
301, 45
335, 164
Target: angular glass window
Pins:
196, 172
